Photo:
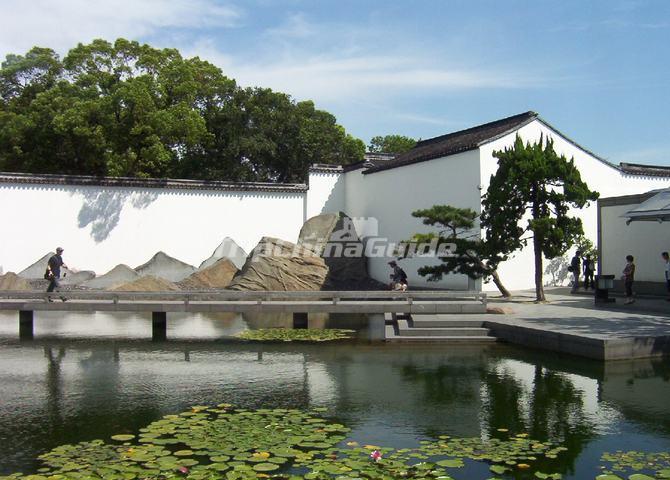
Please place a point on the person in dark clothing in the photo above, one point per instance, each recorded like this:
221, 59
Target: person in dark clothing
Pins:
628, 279
589, 268
54, 266
398, 277
666, 265
575, 265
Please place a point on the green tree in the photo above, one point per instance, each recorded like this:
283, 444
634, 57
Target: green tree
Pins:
531, 194
126, 109
391, 144
470, 256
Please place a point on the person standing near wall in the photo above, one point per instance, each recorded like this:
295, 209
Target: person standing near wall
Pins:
575, 265
589, 269
628, 279
54, 266
666, 259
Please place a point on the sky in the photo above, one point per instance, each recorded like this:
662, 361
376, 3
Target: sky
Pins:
597, 70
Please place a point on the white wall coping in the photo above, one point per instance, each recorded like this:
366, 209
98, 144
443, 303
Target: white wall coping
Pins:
167, 183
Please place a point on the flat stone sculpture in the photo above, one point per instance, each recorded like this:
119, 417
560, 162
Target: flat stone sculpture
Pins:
226, 249
276, 265
164, 266
76, 278
11, 281
147, 284
36, 270
218, 275
116, 276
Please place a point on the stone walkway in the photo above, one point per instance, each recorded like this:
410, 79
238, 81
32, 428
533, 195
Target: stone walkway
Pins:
577, 314
573, 324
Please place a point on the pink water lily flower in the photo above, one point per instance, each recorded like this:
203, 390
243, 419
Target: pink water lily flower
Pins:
376, 455
183, 470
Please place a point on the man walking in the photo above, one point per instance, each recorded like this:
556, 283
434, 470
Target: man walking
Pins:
575, 265
53, 270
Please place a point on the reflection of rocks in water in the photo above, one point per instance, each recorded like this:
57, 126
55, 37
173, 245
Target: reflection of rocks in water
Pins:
268, 320
221, 324
314, 320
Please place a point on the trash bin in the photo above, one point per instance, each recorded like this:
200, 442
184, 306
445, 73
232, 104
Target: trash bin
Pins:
603, 285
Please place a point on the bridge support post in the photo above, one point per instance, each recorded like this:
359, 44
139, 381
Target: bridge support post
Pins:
26, 325
376, 327
158, 326
300, 320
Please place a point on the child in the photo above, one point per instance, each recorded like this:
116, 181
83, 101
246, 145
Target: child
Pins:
628, 278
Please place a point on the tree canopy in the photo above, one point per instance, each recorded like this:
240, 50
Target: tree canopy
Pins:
529, 197
126, 109
391, 144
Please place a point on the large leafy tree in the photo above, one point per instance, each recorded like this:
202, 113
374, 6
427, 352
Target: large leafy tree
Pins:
391, 144
128, 109
529, 198
470, 256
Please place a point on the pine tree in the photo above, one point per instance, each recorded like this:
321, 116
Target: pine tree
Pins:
531, 194
470, 256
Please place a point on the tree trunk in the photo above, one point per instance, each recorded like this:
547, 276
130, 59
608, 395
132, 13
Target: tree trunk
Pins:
498, 283
539, 288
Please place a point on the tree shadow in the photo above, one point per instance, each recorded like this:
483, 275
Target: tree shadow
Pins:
558, 269
102, 209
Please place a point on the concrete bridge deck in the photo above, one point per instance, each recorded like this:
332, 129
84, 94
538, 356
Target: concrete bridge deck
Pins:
232, 301
375, 304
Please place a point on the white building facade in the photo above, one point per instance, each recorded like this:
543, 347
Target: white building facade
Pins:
104, 222
455, 169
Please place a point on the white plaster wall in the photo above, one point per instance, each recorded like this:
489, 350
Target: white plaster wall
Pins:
391, 196
644, 240
325, 194
100, 227
518, 272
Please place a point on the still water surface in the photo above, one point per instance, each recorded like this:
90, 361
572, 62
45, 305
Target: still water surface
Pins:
92, 376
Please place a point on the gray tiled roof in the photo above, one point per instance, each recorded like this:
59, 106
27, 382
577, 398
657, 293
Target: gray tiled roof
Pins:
456, 142
177, 184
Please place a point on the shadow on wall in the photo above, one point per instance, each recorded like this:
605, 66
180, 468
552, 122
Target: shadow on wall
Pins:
102, 209
558, 269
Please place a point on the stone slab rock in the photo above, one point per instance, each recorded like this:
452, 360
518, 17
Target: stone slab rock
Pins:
11, 281
36, 270
334, 237
226, 249
116, 276
164, 266
147, 284
274, 265
76, 278
217, 275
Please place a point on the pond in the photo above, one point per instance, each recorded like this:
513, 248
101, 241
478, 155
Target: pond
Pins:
87, 377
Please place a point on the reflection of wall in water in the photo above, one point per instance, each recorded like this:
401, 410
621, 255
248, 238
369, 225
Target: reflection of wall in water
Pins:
640, 389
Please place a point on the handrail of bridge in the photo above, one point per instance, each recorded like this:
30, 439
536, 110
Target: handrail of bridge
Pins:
241, 296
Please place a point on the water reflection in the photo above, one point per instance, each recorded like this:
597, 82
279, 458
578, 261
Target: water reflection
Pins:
58, 389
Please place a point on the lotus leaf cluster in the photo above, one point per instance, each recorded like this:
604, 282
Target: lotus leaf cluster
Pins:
295, 335
620, 465
222, 442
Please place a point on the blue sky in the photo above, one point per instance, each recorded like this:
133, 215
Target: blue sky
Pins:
597, 70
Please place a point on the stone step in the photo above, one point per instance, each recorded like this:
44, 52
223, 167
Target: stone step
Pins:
457, 323
405, 328
391, 336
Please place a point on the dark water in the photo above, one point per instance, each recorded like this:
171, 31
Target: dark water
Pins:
92, 376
